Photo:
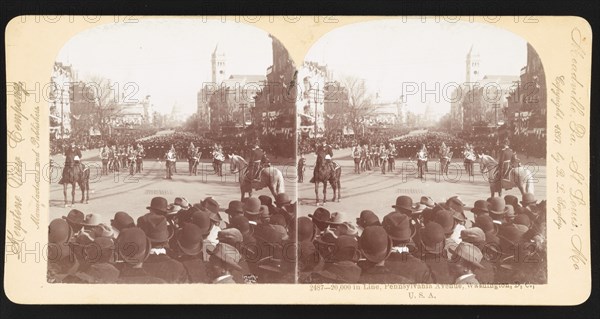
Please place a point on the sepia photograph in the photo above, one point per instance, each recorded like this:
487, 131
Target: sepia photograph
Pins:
422, 156
169, 142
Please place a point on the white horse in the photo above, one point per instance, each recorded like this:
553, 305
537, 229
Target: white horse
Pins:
270, 177
519, 177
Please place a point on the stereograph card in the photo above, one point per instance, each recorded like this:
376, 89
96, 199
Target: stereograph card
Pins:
303, 160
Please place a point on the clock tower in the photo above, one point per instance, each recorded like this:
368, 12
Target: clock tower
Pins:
218, 66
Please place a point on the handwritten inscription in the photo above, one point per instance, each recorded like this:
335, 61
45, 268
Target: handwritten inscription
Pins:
571, 183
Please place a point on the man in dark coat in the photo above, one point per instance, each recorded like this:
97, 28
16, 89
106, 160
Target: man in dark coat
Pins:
189, 251
72, 162
376, 246
401, 261
133, 271
505, 157
431, 248
159, 264
321, 151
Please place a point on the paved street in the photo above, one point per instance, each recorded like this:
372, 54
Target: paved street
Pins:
372, 190
120, 192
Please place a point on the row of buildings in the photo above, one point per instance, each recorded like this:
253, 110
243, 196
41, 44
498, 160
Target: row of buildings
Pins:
504, 105
79, 108
235, 102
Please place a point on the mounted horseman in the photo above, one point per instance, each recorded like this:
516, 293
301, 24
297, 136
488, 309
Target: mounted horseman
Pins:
74, 172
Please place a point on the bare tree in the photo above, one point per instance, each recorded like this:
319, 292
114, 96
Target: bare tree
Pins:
360, 103
106, 98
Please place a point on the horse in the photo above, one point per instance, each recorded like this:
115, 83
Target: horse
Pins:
328, 173
519, 177
270, 177
77, 174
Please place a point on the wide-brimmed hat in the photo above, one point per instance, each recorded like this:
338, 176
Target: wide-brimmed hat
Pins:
59, 231
469, 253
91, 219
189, 239
480, 207
122, 220
133, 246
307, 230
211, 205
235, 207
346, 228
397, 226
103, 230
367, 218
228, 254
433, 238
75, 216
320, 217
497, 206
252, 206
528, 199
159, 204
473, 235
375, 244
201, 218
282, 199
156, 228
231, 236
445, 219
336, 218
427, 201
405, 204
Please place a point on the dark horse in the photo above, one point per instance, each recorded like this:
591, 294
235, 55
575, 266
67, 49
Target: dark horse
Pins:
76, 174
328, 172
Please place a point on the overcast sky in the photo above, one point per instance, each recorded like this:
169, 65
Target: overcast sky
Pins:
390, 52
169, 59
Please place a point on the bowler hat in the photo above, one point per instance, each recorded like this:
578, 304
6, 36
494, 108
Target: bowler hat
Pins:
75, 217
241, 223
211, 204
59, 231
433, 238
320, 217
367, 218
522, 219
480, 207
251, 206
397, 226
159, 205
227, 254
201, 219
346, 248
528, 199
497, 206
121, 221
265, 200
156, 228
282, 199
132, 245
474, 235
405, 204
189, 239
445, 219
486, 224
235, 207
231, 236
375, 244
307, 230
469, 253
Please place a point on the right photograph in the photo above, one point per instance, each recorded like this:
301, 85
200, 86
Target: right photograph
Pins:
421, 156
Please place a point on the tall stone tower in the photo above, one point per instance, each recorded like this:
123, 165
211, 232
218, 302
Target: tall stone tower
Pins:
473, 74
218, 65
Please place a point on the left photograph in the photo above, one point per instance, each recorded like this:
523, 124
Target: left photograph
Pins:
172, 148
